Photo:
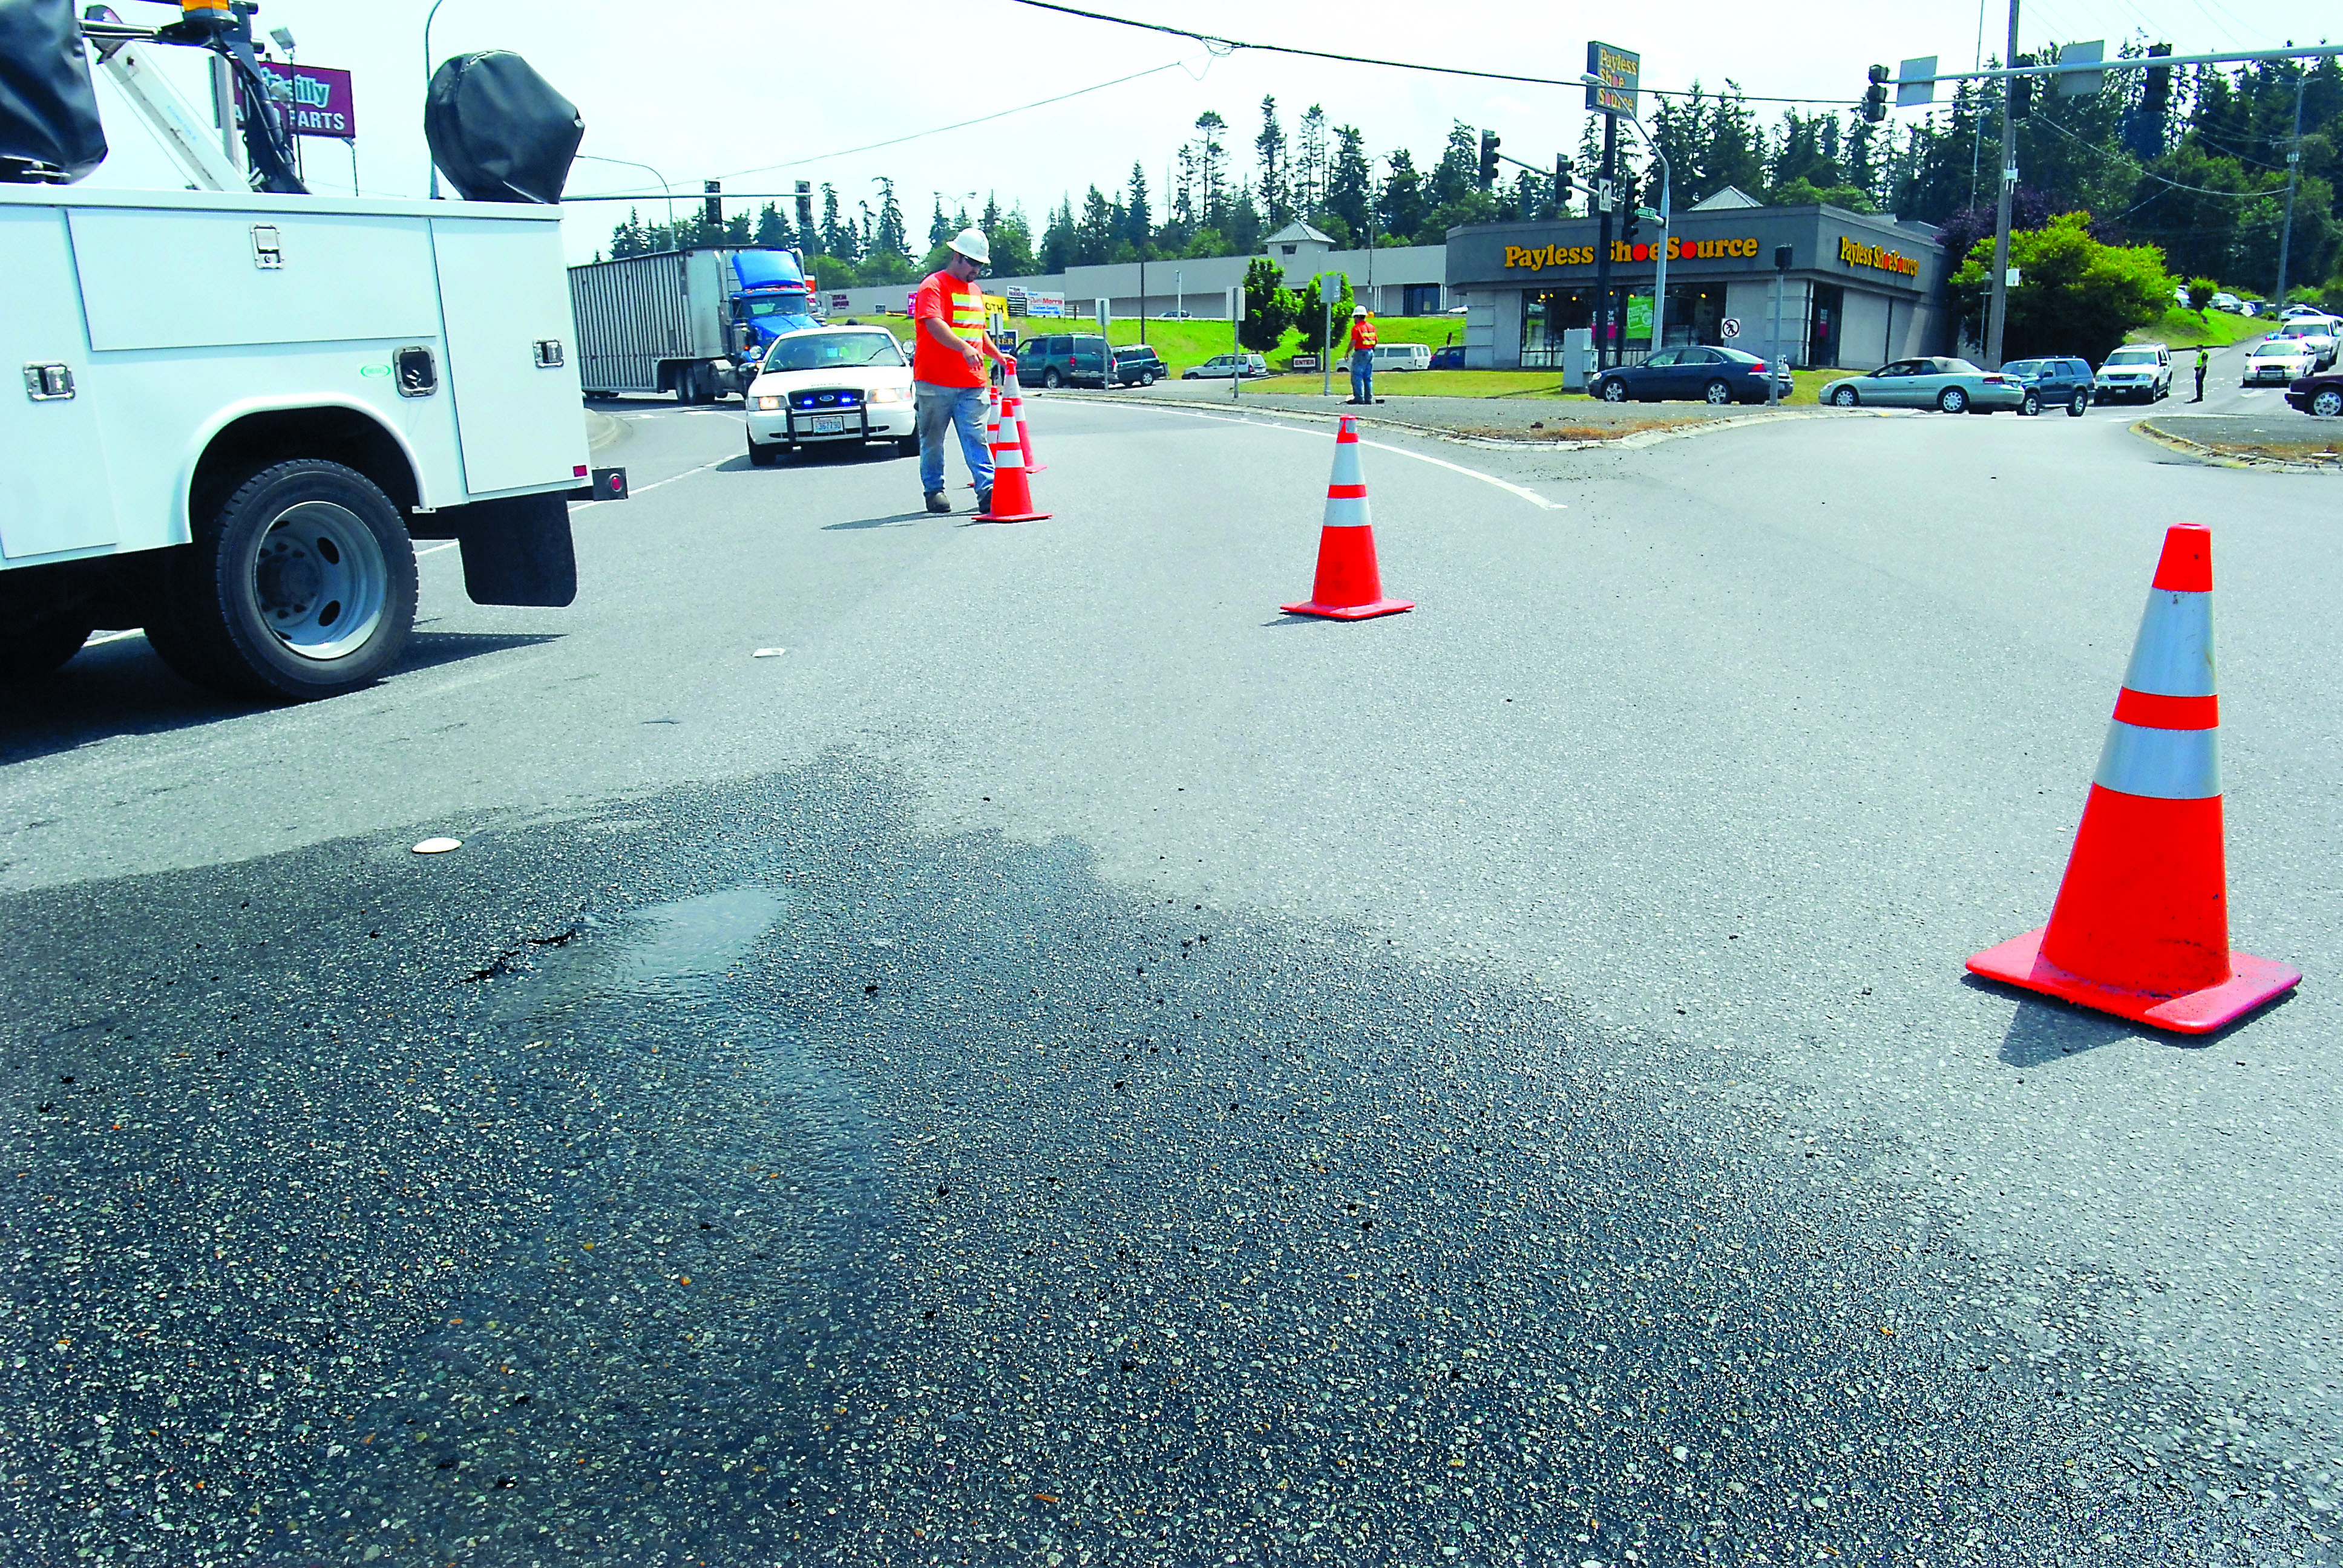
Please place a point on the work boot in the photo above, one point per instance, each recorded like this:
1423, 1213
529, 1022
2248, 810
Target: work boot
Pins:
984, 500
936, 502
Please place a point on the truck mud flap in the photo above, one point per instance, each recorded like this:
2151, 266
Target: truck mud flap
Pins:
518, 551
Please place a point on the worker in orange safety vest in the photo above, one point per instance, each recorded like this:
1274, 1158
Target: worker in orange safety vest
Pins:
1362, 355
951, 385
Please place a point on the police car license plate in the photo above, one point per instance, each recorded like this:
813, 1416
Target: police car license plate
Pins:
828, 423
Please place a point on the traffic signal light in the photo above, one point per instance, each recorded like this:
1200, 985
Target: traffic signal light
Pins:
2021, 90
2156, 99
714, 202
1874, 96
1561, 186
1629, 219
1488, 159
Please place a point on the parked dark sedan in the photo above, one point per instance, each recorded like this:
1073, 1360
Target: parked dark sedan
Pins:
2059, 382
1703, 375
2321, 395
1449, 356
1138, 365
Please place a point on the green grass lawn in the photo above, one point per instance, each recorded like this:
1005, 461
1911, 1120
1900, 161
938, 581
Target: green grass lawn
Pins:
1185, 343
2181, 327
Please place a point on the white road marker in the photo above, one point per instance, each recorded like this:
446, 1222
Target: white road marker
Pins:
437, 846
1526, 494
769, 653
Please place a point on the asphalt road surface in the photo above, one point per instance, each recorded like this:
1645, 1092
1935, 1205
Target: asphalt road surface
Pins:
1060, 1063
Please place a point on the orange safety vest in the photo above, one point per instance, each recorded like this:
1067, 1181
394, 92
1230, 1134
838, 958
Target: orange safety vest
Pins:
1363, 333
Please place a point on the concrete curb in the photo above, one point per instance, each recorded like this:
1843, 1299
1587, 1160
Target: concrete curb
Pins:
2214, 457
601, 430
1634, 440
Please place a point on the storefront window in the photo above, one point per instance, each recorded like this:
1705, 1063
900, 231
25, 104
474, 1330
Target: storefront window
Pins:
1545, 316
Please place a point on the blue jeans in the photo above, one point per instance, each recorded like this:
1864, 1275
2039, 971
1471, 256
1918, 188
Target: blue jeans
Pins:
939, 409
1362, 377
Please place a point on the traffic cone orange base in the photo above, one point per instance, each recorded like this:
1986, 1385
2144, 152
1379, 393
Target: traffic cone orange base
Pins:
2252, 981
1351, 611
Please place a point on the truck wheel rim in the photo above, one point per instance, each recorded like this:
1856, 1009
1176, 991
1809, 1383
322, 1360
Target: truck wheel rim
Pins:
320, 581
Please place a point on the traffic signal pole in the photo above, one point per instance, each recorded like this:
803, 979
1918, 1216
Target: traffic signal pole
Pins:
1998, 314
2293, 177
1609, 182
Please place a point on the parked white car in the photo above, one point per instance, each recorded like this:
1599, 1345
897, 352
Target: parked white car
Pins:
829, 386
2279, 361
1402, 356
2135, 373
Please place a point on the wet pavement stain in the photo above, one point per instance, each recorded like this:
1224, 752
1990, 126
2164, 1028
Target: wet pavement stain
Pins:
840, 1192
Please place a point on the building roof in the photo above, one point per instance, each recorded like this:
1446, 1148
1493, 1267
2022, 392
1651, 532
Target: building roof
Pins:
1729, 197
1297, 231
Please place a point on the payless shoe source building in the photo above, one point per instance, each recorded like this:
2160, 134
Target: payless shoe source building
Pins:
1861, 289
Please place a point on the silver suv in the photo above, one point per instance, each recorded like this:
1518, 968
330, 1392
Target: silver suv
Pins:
2135, 373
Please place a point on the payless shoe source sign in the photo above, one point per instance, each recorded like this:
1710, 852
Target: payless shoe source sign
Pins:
1538, 257
1855, 253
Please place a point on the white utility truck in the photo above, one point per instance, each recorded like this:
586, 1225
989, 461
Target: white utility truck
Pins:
237, 409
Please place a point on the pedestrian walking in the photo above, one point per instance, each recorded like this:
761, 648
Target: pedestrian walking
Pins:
1362, 355
2204, 359
951, 382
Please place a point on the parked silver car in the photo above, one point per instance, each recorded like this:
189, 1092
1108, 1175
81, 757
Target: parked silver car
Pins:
1953, 386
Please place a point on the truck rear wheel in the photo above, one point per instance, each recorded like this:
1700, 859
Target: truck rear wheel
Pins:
301, 584
26, 654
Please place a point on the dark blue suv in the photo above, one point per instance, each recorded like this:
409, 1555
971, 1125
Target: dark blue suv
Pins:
2055, 382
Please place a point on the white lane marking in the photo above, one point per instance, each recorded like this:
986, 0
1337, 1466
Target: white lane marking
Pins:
672, 478
115, 636
435, 549
1532, 497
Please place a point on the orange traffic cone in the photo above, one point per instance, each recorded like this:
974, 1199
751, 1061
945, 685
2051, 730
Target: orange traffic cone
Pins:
1349, 587
1015, 394
2141, 925
1013, 495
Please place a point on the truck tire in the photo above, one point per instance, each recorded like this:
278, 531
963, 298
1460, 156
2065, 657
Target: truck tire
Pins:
1051, 380
300, 585
25, 655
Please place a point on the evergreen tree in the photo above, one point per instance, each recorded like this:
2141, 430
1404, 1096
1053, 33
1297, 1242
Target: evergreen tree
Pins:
1400, 210
1011, 240
1310, 165
1270, 306
1094, 232
1270, 149
1058, 240
1349, 184
838, 238
1137, 221
629, 237
940, 227
1212, 168
1735, 154
1459, 170
773, 229
1245, 226
891, 239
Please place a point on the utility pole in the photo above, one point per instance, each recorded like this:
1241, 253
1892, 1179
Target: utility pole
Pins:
1998, 314
1608, 185
2293, 175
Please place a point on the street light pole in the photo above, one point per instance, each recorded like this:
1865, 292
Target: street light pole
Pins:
1998, 314
598, 158
2293, 176
428, 16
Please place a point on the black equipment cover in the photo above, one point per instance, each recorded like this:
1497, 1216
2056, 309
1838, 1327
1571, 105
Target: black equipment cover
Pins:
498, 131
49, 127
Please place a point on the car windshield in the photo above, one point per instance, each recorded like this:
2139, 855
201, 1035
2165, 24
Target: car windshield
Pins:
786, 305
2132, 356
2303, 329
2022, 368
831, 351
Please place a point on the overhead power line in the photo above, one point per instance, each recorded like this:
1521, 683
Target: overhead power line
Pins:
1222, 46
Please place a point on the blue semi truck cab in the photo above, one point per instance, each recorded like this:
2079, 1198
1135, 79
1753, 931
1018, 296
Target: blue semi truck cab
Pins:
770, 297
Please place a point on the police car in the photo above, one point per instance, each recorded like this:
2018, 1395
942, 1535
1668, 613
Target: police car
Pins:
831, 385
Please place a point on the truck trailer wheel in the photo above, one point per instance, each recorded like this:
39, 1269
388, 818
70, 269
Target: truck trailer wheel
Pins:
26, 654
300, 585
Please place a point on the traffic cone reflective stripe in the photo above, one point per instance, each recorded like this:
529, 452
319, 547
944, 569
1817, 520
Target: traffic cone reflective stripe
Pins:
1013, 495
1016, 394
1349, 585
2140, 927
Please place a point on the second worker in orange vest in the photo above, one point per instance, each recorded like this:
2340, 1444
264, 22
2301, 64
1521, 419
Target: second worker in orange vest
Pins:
1362, 355
949, 380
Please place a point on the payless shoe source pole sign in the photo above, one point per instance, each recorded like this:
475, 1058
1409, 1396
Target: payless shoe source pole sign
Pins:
1622, 76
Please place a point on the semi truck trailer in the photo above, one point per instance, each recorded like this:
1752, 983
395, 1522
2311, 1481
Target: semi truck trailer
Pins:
695, 322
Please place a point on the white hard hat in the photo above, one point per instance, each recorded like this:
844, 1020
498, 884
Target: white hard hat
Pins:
971, 243
1358, 310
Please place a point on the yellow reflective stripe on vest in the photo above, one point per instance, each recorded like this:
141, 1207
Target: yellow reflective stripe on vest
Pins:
968, 315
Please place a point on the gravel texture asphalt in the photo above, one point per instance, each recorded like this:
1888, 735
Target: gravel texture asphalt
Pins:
756, 1176
1645, 850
